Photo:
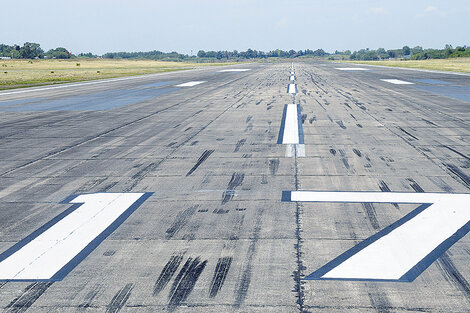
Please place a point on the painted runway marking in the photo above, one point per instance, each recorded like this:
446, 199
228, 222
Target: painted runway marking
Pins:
297, 150
291, 131
191, 84
397, 82
352, 69
403, 250
292, 78
235, 70
52, 251
292, 88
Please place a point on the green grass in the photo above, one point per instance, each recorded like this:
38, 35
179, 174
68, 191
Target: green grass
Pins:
453, 64
27, 73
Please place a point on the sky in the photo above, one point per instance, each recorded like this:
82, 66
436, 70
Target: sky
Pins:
186, 26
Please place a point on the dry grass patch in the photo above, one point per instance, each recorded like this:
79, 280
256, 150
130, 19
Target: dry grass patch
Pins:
25, 73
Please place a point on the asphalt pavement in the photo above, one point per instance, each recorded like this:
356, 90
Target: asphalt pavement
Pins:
176, 192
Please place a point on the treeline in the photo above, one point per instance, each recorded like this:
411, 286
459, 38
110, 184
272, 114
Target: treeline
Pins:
219, 55
31, 50
150, 55
254, 54
416, 53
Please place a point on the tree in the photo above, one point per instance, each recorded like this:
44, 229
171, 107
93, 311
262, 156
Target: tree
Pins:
406, 50
416, 50
58, 53
30, 50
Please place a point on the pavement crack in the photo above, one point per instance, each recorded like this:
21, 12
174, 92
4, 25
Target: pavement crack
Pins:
298, 272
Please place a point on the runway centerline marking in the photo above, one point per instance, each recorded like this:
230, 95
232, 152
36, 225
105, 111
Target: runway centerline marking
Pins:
404, 249
291, 131
191, 84
292, 88
397, 82
52, 251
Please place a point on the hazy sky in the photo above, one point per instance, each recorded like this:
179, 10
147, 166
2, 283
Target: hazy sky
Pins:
101, 26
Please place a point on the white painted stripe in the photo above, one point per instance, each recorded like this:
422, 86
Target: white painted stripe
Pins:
393, 255
290, 150
235, 70
352, 69
49, 252
291, 126
190, 84
375, 197
300, 150
292, 77
292, 73
397, 82
292, 88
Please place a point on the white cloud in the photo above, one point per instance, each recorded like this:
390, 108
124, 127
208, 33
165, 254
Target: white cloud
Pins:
431, 9
380, 10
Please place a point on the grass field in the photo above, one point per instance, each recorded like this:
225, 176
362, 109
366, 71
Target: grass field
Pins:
453, 65
26, 73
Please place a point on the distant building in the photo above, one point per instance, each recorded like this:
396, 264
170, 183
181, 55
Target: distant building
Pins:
5, 58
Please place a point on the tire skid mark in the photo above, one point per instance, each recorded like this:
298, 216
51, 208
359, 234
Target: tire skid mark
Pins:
455, 170
379, 301
89, 297
140, 175
220, 273
120, 299
452, 274
180, 221
415, 186
273, 166
235, 181
457, 152
244, 280
341, 124
167, 273
94, 137
30, 294
357, 152
201, 159
384, 188
406, 132
371, 214
239, 144
185, 281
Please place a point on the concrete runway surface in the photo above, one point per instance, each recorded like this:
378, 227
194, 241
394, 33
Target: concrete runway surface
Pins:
174, 192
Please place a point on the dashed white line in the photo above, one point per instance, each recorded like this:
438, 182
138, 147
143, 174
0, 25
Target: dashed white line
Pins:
235, 70
397, 82
191, 84
292, 88
352, 69
291, 128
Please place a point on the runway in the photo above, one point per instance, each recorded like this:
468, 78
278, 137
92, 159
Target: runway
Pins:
262, 187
